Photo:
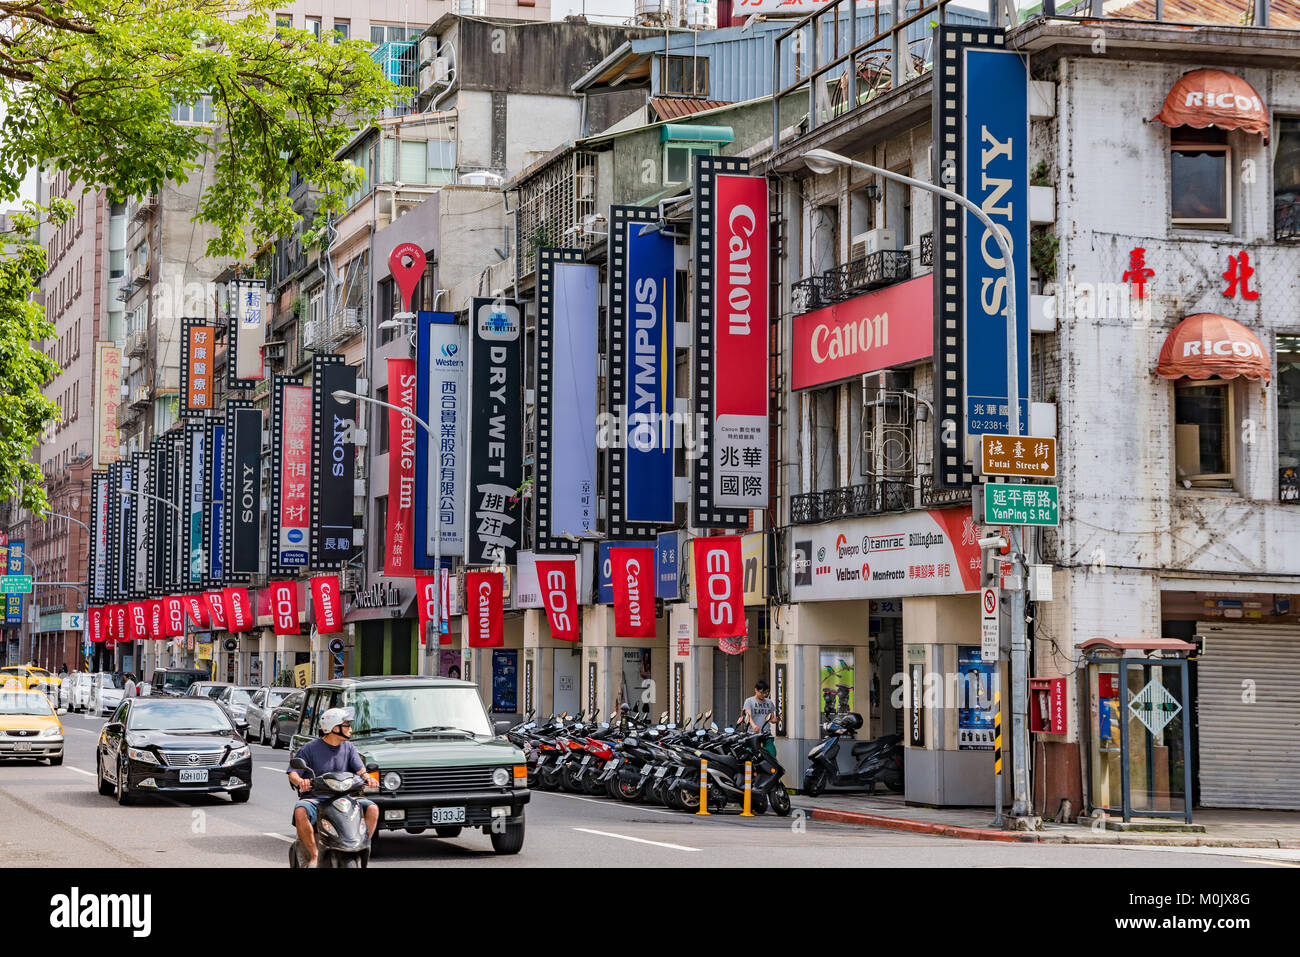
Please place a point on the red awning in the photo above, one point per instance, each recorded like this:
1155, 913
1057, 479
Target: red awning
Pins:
1204, 98
1207, 345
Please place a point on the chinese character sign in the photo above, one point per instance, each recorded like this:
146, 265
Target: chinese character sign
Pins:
108, 396
442, 375
292, 519
334, 462
197, 345
496, 428
247, 333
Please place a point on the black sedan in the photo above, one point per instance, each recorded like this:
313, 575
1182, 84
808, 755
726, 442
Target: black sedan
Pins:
159, 745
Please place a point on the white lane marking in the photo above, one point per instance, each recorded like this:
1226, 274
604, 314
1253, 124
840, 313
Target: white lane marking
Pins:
278, 837
638, 807
638, 840
265, 767
89, 774
85, 730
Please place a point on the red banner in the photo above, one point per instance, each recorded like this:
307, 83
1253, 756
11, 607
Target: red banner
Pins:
632, 571
95, 618
400, 554
239, 617
483, 595
719, 596
216, 602
138, 621
197, 610
559, 583
295, 479
154, 608
173, 616
426, 596
117, 626
327, 603
284, 607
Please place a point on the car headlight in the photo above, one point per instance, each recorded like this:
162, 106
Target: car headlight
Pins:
135, 754
392, 781
501, 777
238, 754
52, 733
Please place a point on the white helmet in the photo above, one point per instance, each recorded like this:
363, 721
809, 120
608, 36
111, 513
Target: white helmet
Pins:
334, 717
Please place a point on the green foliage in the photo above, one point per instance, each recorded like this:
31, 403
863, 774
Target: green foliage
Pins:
1041, 175
1043, 246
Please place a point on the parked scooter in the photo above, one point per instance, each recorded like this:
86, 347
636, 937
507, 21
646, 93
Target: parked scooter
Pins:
875, 761
342, 838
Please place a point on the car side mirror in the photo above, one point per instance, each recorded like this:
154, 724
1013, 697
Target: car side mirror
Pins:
370, 765
298, 764
114, 727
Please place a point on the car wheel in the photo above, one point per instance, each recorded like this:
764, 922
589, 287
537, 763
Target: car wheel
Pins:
511, 840
55, 762
104, 787
124, 795
275, 735
241, 796
448, 831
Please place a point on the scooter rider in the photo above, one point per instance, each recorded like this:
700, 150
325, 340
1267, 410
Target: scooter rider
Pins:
332, 751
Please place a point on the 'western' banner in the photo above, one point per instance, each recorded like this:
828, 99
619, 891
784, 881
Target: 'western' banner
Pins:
327, 603
483, 595
399, 555
719, 594
284, 607
633, 574
441, 392
558, 579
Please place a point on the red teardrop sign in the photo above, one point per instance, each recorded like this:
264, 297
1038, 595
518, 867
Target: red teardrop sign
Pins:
406, 262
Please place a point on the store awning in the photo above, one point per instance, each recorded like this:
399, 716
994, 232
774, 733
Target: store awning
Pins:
1204, 98
1207, 345
1137, 644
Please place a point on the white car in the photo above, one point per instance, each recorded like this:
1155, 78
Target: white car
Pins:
74, 693
104, 695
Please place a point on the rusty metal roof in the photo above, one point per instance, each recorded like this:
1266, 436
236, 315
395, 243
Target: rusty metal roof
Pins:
1284, 14
674, 107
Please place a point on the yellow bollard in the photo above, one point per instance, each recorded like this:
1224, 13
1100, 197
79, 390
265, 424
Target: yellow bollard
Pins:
704, 788
749, 782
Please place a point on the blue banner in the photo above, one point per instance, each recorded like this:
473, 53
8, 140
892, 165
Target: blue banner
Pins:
217, 505
441, 399
667, 558
996, 172
604, 572
651, 313
14, 603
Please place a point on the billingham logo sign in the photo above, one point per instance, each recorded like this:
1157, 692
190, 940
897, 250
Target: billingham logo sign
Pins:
243, 489
495, 426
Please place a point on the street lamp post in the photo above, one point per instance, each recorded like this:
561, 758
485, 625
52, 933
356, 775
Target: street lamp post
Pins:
823, 161
342, 395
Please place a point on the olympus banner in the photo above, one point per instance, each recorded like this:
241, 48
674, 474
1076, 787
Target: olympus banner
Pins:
441, 381
492, 526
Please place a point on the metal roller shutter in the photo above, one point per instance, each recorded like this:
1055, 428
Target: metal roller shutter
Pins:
1249, 751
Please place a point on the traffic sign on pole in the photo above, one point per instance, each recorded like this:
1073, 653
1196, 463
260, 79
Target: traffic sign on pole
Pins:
15, 584
1021, 504
1020, 456
989, 630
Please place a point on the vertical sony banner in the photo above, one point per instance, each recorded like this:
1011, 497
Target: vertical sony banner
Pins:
98, 537
214, 526
441, 398
247, 316
196, 561
290, 505
143, 462
495, 460
108, 396
567, 312
243, 490
197, 344
334, 461
731, 334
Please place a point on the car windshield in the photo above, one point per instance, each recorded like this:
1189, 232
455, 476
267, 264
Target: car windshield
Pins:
417, 709
214, 692
16, 702
240, 695
106, 680
178, 681
176, 715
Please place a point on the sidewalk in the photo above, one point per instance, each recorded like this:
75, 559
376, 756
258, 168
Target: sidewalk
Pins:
1223, 828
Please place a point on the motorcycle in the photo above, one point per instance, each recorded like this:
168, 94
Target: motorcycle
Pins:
875, 761
342, 838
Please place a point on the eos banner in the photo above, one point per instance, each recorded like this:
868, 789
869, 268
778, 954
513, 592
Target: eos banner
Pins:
138, 619
216, 602
239, 616
174, 621
442, 376
334, 459
290, 475
492, 527
399, 560
567, 309
912, 553
108, 396
327, 604
244, 485
634, 592
197, 353
719, 591
284, 607
196, 610
559, 583
247, 333
484, 612
99, 537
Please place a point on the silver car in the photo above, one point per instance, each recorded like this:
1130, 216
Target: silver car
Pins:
104, 695
258, 712
74, 692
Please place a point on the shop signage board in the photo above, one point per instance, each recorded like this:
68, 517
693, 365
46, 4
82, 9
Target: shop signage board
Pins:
932, 552
198, 352
108, 396
495, 470
1019, 456
247, 333
333, 461
441, 371
989, 624
1021, 504
667, 584
243, 468
290, 507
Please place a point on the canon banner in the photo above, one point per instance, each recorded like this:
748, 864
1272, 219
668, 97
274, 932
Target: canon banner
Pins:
731, 341
492, 526
214, 529
244, 485
568, 308
558, 578
284, 607
196, 610
399, 559
156, 612
239, 615
108, 396
247, 333
442, 376
719, 591
216, 602
633, 572
484, 615
290, 475
426, 598
95, 621
334, 460
327, 604
119, 623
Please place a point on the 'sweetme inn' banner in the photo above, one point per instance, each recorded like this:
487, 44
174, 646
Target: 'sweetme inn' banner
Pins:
400, 540
731, 334
719, 592
568, 306
483, 595
290, 474
247, 333
492, 531
108, 396
558, 578
633, 574
244, 488
334, 461
197, 351
442, 378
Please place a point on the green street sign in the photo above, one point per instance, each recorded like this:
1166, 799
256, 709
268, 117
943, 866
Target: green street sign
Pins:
1021, 504
15, 584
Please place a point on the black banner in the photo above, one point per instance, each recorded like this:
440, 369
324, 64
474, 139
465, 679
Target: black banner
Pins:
114, 516
493, 528
98, 579
178, 494
333, 462
159, 472
243, 490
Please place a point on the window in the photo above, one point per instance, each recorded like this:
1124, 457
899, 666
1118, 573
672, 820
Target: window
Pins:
313, 26
1203, 433
381, 440
198, 112
684, 75
342, 29
381, 524
1286, 177
377, 33
679, 160
1288, 415
1200, 190
825, 437
283, 21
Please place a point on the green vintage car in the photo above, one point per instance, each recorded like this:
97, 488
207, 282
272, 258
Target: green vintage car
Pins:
440, 764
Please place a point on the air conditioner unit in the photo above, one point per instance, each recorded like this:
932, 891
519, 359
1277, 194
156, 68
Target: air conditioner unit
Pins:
873, 241
427, 79
441, 69
353, 316
428, 48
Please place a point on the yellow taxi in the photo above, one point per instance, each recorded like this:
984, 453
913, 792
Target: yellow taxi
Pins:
30, 678
30, 727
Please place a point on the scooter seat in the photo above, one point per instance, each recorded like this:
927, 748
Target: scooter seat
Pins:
865, 747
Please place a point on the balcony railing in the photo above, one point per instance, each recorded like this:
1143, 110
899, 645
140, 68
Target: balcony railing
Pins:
1288, 484
1286, 219
853, 501
938, 497
852, 279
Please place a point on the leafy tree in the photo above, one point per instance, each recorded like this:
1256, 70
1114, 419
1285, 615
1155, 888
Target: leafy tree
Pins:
88, 87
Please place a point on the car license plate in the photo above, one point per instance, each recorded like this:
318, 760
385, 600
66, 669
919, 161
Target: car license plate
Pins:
194, 775
22, 745
448, 815
612, 763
